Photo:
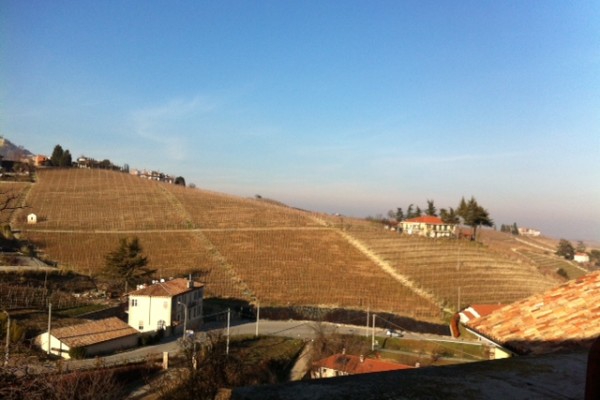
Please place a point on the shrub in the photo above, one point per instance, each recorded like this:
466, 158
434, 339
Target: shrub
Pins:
77, 353
562, 273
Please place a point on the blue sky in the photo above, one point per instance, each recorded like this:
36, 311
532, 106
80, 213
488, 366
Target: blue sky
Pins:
355, 107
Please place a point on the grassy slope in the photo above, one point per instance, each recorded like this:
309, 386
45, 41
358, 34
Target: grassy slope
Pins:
250, 249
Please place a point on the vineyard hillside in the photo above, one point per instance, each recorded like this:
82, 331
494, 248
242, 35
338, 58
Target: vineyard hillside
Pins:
262, 251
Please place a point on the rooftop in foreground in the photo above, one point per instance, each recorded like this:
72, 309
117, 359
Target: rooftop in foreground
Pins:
552, 376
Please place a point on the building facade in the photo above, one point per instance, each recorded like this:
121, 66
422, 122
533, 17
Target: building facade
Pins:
428, 226
170, 306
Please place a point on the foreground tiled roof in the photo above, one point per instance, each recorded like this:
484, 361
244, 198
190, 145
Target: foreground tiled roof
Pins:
549, 377
170, 288
353, 365
93, 332
563, 317
427, 219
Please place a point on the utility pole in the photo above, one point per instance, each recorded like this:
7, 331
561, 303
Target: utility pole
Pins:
185, 317
257, 316
228, 322
6, 355
49, 325
367, 326
373, 334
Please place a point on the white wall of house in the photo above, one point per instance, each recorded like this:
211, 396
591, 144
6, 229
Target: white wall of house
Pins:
57, 347
149, 314
581, 258
428, 230
111, 346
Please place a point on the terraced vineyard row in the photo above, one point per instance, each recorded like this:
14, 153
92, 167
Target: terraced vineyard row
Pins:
84, 199
171, 254
257, 250
453, 270
280, 267
553, 263
215, 210
316, 268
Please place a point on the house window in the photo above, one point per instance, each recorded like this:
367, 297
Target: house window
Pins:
141, 326
133, 302
161, 325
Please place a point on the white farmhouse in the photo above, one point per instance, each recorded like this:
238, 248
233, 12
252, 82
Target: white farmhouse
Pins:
171, 306
581, 258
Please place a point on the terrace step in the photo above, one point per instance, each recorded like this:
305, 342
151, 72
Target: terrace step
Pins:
389, 269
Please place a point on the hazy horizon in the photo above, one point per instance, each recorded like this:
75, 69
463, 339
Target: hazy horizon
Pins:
353, 108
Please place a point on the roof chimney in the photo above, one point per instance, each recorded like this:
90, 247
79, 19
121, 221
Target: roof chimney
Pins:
362, 358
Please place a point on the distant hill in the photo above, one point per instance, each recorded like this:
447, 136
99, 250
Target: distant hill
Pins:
12, 152
260, 251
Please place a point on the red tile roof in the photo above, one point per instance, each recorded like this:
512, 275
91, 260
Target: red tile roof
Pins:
93, 332
478, 311
427, 219
170, 288
563, 317
352, 364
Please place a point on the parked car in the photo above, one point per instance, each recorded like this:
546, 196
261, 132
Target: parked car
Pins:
393, 333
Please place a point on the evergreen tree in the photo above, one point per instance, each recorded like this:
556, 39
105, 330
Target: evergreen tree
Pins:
180, 181
474, 215
57, 155
66, 159
399, 214
431, 210
449, 216
514, 229
565, 249
127, 263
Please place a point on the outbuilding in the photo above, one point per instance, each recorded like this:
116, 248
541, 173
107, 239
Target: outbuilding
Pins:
32, 218
93, 338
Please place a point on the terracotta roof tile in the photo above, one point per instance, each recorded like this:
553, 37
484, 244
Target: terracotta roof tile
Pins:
93, 332
560, 317
352, 364
427, 219
170, 288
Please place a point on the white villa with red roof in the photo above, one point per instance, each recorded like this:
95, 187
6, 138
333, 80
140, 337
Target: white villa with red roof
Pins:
171, 306
428, 226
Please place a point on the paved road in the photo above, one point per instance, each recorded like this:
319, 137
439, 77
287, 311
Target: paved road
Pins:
294, 329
